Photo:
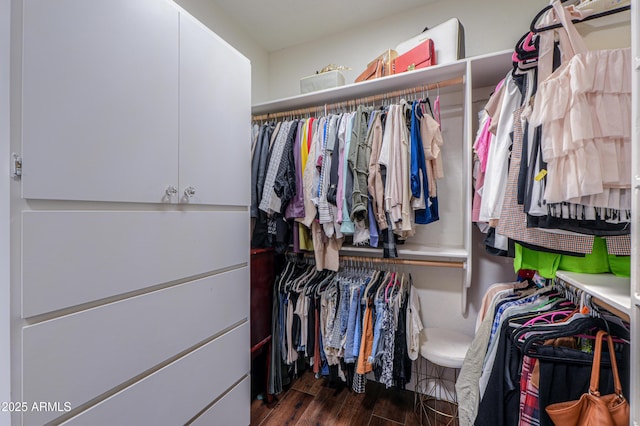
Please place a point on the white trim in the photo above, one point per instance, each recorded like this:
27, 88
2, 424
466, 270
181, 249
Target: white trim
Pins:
5, 317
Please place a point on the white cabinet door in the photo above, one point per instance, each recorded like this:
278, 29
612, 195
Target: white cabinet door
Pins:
215, 112
100, 100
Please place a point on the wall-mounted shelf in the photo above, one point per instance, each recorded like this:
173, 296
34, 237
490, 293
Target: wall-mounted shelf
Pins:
607, 288
366, 88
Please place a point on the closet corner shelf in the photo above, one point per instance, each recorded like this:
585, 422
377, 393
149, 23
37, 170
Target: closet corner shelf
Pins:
487, 69
609, 288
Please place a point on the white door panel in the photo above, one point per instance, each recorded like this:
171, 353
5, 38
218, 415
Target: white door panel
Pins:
215, 112
100, 100
74, 257
78, 357
231, 410
177, 392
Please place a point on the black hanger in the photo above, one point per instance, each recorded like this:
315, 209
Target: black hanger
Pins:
534, 29
524, 55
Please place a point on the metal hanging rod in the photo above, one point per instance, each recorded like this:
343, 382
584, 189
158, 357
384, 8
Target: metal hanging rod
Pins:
397, 261
322, 109
393, 261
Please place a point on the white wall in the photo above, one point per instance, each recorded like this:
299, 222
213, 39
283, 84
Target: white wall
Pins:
490, 26
484, 22
5, 367
220, 23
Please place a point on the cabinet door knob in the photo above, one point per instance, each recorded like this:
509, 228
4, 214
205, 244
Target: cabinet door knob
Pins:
189, 191
171, 190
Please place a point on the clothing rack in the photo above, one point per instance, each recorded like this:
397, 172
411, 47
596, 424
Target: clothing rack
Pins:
534, 29
324, 108
368, 260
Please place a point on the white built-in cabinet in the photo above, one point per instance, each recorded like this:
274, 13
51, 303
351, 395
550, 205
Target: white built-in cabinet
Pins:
130, 102
130, 284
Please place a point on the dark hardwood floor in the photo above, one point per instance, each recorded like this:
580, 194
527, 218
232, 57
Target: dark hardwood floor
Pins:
310, 402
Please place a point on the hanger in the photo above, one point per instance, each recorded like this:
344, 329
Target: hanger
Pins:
401, 291
534, 22
377, 276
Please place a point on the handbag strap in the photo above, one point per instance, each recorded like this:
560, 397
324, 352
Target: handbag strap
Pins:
595, 368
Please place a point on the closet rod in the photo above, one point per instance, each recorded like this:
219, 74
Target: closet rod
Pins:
396, 261
615, 311
366, 100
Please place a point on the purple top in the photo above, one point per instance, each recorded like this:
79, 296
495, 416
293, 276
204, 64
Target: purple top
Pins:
296, 207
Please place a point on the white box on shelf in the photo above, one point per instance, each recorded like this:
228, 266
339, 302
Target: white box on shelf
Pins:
325, 80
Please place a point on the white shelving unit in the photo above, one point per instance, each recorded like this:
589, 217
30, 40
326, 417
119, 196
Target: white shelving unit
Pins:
607, 288
449, 239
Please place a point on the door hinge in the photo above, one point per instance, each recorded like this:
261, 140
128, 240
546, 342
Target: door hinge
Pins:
16, 166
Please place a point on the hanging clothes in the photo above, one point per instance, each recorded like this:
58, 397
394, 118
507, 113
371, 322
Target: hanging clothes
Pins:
345, 324
346, 178
555, 133
537, 350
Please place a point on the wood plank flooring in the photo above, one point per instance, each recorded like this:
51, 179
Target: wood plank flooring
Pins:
310, 402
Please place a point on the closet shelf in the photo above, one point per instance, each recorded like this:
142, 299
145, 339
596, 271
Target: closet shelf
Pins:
351, 91
486, 70
609, 288
413, 251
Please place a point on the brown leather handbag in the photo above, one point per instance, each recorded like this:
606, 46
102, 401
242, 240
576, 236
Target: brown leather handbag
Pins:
592, 409
379, 67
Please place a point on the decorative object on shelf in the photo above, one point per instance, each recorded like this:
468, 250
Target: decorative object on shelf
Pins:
322, 80
379, 67
332, 67
326, 78
447, 37
421, 56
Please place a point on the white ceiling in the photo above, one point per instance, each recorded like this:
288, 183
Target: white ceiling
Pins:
284, 23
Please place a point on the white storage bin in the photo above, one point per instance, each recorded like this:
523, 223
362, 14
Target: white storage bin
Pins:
325, 80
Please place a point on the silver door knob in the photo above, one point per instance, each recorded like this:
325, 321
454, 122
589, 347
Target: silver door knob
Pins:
171, 190
189, 191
